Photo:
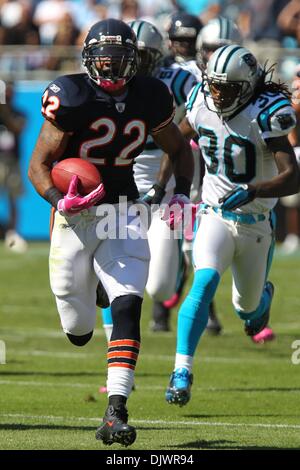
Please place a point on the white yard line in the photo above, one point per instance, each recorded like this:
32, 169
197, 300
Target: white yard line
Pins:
150, 357
153, 422
96, 385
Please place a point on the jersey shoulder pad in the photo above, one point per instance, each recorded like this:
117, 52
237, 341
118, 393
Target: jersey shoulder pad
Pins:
158, 101
179, 82
71, 90
151, 89
165, 73
274, 114
63, 96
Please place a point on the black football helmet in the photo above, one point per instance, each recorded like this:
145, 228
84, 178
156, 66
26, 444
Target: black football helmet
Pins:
110, 54
183, 30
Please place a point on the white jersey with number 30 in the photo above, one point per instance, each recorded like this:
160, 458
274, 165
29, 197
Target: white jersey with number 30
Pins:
235, 150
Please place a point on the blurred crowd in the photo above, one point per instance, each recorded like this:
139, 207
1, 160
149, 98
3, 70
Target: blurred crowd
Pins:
65, 22
62, 23
48, 30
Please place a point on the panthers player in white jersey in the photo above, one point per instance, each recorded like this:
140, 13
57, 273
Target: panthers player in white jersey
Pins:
242, 119
191, 46
167, 266
220, 31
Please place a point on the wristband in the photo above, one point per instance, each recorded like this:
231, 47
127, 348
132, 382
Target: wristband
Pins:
52, 195
183, 186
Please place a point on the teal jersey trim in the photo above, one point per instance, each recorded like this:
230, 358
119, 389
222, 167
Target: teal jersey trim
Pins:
264, 117
177, 86
193, 97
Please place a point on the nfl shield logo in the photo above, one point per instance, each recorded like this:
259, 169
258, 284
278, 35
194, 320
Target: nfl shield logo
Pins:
120, 107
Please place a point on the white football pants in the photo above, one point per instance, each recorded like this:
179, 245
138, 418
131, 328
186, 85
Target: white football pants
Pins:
165, 257
81, 253
220, 243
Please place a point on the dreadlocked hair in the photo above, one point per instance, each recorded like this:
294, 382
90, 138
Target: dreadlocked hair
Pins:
266, 83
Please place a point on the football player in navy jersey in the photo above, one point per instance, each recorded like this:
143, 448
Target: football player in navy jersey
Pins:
105, 116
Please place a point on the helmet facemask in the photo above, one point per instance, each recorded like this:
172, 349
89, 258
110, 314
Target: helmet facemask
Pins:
183, 49
228, 96
149, 59
110, 66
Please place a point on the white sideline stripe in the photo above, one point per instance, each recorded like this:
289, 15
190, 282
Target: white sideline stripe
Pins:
153, 357
16, 333
45, 384
95, 386
159, 421
87, 386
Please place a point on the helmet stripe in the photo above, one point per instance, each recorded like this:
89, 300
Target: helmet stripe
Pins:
218, 58
237, 48
176, 86
139, 29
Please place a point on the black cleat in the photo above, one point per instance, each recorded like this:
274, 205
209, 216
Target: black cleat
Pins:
214, 326
253, 327
115, 427
161, 317
102, 299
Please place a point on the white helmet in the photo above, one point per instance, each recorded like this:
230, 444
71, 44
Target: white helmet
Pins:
218, 32
149, 43
231, 78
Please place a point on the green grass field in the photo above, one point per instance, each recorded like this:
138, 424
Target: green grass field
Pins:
245, 396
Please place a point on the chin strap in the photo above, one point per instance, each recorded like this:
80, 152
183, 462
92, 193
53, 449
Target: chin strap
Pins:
108, 85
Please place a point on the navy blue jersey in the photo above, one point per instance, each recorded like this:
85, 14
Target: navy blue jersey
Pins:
108, 131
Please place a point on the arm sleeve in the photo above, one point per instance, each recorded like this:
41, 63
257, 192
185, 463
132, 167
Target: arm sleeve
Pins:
163, 111
57, 106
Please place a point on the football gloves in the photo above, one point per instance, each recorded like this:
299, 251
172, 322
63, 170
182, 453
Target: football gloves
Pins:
237, 197
178, 212
155, 195
73, 202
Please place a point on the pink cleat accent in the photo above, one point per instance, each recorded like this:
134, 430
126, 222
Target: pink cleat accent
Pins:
263, 336
172, 301
104, 389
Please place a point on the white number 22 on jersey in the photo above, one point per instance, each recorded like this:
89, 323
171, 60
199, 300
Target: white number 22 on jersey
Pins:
124, 156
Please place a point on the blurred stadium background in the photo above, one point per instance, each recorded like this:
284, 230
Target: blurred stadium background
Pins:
40, 40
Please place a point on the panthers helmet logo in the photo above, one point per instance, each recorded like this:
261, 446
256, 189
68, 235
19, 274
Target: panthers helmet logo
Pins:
250, 60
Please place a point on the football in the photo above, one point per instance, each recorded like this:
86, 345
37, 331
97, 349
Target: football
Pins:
88, 174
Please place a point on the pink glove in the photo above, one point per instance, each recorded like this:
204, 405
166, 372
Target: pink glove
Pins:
194, 145
189, 228
73, 203
178, 211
